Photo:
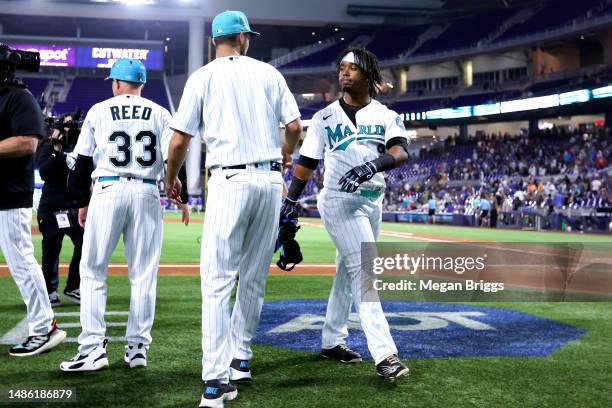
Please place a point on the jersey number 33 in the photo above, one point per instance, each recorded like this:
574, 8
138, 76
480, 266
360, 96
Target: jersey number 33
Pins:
124, 148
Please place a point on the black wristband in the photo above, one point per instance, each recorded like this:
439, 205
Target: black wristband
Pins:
296, 188
308, 162
384, 162
398, 141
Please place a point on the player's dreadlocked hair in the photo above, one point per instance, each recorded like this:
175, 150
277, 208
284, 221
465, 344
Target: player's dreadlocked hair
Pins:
368, 63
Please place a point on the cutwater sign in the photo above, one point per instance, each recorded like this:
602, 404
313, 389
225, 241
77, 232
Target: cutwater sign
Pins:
422, 329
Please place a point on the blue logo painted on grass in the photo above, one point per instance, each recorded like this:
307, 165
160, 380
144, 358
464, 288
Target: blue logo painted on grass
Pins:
422, 329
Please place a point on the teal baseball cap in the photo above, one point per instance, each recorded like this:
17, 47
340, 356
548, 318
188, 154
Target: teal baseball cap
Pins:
231, 22
129, 70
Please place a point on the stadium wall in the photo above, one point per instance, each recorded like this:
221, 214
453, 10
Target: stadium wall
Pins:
562, 58
428, 71
499, 62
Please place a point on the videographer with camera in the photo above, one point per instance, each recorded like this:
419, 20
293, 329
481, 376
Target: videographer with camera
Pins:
21, 125
57, 211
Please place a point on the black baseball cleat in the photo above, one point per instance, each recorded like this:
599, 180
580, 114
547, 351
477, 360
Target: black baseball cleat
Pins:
240, 371
341, 353
391, 368
74, 295
215, 393
39, 344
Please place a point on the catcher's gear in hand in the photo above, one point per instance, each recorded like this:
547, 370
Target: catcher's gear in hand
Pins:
291, 254
355, 176
289, 210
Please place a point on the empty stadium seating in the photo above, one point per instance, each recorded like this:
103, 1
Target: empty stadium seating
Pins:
36, 86
552, 15
85, 92
465, 32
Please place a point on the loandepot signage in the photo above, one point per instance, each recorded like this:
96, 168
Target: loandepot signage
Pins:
422, 329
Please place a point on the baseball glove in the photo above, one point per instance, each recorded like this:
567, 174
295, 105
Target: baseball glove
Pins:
291, 254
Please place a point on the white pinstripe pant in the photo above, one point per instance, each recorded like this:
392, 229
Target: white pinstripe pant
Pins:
350, 220
130, 207
16, 245
240, 229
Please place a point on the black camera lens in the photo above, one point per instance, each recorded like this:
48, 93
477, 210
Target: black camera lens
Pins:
20, 59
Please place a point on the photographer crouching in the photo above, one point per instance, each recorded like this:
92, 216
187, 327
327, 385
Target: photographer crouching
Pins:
57, 211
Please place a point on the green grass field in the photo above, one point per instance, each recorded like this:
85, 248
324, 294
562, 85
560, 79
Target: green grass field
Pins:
579, 374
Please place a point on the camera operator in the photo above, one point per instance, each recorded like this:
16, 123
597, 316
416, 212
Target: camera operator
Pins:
58, 212
21, 125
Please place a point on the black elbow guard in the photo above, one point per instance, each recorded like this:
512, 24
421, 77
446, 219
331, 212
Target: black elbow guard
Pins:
308, 162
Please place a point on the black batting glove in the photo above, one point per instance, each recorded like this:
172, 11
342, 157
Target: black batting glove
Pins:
355, 176
289, 210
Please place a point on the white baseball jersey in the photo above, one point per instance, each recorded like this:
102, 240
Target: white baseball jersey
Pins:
351, 219
334, 137
209, 109
236, 104
126, 135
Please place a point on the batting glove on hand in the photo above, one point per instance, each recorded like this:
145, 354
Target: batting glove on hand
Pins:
289, 210
355, 176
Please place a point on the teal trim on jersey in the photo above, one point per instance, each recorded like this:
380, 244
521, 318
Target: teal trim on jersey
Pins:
380, 139
343, 145
341, 137
374, 194
116, 178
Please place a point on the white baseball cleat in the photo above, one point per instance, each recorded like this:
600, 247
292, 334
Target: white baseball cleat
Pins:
94, 361
136, 355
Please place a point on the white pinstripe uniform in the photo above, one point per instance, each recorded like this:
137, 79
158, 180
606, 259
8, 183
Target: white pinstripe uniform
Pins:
352, 218
236, 104
127, 136
18, 250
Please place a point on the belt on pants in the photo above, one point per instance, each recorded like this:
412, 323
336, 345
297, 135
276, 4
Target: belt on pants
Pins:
374, 194
272, 165
365, 192
117, 178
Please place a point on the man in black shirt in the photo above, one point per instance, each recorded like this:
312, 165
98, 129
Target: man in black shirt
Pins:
58, 212
21, 126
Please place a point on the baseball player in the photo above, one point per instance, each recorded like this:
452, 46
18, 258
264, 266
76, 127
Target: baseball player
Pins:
21, 125
120, 147
360, 139
235, 103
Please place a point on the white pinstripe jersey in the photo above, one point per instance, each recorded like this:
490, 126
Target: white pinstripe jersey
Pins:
345, 145
126, 135
236, 104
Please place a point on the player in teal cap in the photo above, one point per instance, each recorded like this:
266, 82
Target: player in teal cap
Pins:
231, 22
232, 27
128, 70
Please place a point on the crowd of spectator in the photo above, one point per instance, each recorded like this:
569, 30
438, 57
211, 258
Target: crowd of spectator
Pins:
546, 170
551, 169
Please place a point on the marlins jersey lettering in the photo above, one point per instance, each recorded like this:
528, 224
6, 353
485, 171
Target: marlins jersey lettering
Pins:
345, 145
127, 136
208, 108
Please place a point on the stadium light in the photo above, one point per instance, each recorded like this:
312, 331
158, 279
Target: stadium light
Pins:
539, 102
582, 95
603, 92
